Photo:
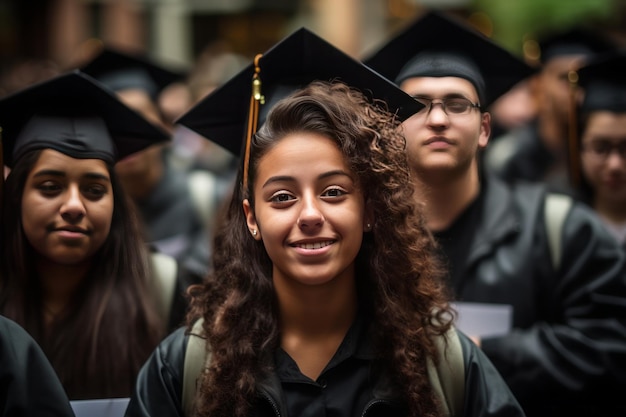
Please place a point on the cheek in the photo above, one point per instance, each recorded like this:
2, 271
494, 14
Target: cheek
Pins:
36, 214
101, 214
590, 170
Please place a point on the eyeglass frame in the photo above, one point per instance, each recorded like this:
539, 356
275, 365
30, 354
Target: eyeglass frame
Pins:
430, 102
610, 147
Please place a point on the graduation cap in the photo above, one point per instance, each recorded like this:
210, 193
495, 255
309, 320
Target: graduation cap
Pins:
291, 64
120, 71
603, 79
436, 45
73, 114
574, 41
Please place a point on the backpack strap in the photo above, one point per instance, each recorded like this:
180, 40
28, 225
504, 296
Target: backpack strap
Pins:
165, 270
448, 377
196, 357
556, 208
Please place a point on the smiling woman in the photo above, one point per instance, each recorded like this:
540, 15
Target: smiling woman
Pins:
326, 296
75, 272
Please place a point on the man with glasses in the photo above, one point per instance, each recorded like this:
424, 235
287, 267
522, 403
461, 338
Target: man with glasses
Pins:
543, 254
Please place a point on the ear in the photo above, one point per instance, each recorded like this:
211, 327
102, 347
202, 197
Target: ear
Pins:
253, 227
485, 130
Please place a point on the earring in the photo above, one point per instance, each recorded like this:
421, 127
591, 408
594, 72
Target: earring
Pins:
253, 232
368, 226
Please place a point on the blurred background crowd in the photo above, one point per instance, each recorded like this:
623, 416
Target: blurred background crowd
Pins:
40, 37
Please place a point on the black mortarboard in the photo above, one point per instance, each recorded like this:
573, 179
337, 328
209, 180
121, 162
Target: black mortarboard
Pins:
603, 79
122, 70
436, 45
294, 62
73, 114
574, 41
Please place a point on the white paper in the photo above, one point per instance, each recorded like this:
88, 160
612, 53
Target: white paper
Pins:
108, 407
483, 320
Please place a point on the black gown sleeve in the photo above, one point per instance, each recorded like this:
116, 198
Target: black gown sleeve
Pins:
29, 386
486, 393
576, 360
158, 389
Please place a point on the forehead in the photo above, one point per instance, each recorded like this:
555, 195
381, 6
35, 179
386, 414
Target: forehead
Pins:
298, 154
607, 122
439, 87
50, 159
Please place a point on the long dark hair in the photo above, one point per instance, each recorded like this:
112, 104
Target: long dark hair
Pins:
98, 345
399, 281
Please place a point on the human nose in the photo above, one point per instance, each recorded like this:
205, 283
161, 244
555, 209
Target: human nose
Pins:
437, 114
311, 217
615, 160
73, 207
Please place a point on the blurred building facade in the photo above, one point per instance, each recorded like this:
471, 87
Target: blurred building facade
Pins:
39, 37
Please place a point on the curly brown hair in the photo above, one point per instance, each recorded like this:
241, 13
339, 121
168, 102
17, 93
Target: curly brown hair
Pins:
400, 281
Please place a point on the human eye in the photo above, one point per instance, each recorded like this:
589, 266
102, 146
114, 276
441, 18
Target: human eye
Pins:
601, 147
457, 105
49, 188
621, 148
281, 197
334, 192
95, 191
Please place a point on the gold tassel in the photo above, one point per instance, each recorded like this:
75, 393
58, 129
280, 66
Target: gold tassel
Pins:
256, 98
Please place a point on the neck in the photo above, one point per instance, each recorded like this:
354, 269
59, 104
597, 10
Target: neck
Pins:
59, 284
314, 322
613, 212
445, 198
321, 311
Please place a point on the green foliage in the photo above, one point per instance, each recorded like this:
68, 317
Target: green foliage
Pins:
514, 20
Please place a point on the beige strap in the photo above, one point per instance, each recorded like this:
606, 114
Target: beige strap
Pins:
448, 379
556, 208
164, 269
196, 357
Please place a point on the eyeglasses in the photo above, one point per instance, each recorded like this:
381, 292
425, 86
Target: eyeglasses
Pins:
601, 149
450, 105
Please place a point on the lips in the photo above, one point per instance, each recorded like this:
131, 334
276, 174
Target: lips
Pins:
71, 229
313, 245
436, 139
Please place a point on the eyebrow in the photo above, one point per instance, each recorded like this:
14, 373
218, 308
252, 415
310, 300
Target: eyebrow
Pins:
57, 173
450, 95
287, 178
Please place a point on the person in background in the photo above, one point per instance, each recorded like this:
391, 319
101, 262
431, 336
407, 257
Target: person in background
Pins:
541, 253
599, 170
177, 207
75, 272
216, 63
326, 298
537, 151
28, 384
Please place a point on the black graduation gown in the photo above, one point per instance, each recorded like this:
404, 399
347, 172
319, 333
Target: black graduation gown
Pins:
159, 386
28, 384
